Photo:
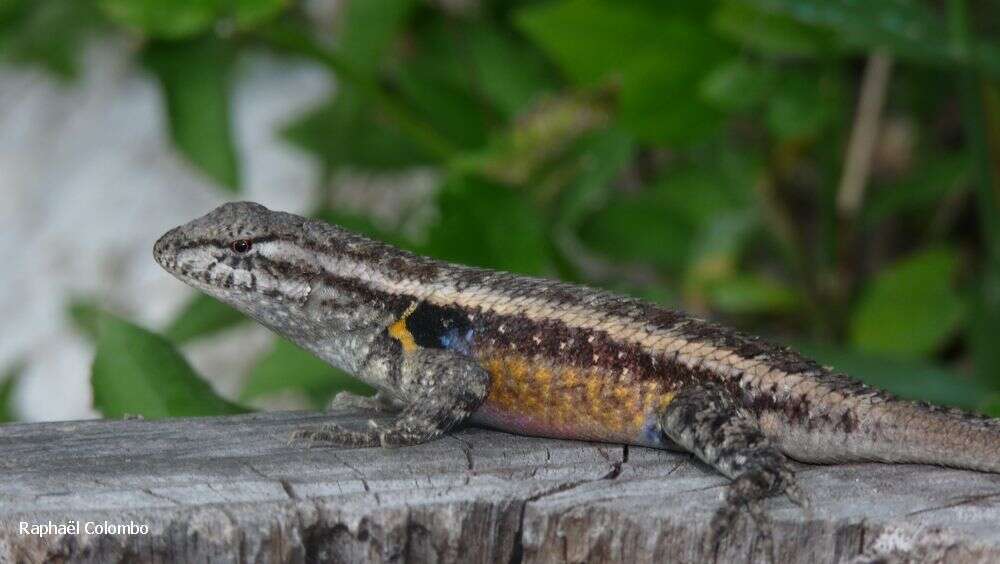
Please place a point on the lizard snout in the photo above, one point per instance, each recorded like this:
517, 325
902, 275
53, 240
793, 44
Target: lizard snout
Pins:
166, 247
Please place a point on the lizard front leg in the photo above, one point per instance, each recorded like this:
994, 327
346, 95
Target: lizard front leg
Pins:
706, 422
380, 402
440, 389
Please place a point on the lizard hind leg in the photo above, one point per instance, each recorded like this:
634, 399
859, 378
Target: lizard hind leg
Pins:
440, 389
706, 422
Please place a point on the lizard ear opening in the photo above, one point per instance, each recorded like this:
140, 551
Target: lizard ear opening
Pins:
242, 245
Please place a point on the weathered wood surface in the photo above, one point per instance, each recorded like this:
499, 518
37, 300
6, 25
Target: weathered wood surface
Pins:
233, 490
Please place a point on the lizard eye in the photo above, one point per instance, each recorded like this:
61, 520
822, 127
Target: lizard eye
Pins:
242, 245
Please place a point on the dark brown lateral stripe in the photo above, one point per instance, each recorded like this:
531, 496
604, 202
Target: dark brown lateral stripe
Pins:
578, 348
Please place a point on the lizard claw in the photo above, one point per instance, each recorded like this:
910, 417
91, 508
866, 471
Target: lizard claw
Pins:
300, 435
797, 496
725, 522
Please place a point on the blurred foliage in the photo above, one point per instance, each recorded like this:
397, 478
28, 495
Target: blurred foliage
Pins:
136, 372
910, 308
689, 152
203, 315
194, 78
287, 368
8, 384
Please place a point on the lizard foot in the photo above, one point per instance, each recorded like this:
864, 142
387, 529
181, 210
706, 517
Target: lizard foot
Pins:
405, 431
744, 499
728, 524
335, 435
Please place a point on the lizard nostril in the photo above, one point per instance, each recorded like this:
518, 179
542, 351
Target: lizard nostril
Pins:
158, 249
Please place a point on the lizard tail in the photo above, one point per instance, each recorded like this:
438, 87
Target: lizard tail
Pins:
923, 433
902, 431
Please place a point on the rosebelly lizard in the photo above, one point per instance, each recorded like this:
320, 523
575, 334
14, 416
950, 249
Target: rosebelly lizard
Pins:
446, 344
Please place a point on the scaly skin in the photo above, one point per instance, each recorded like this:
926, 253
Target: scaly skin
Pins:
447, 343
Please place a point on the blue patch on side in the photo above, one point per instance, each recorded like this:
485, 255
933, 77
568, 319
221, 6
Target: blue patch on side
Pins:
458, 340
652, 434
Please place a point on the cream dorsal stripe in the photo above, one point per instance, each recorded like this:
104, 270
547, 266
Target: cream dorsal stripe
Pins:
654, 340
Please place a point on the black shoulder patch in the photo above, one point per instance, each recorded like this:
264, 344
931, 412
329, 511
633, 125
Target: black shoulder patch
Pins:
439, 327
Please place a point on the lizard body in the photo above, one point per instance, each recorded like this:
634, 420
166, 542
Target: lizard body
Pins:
446, 343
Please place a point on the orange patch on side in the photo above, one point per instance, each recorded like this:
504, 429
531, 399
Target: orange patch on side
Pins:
571, 402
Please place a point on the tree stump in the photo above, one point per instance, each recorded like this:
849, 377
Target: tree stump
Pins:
232, 489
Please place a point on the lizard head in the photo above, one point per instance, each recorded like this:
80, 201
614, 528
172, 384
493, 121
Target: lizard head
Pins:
305, 279
243, 254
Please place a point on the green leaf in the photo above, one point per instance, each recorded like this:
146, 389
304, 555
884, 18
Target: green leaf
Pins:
556, 27
921, 191
508, 72
911, 308
344, 134
910, 29
295, 40
203, 315
452, 109
717, 248
984, 327
771, 33
662, 224
180, 19
289, 368
366, 29
639, 229
252, 13
162, 19
194, 77
991, 405
538, 141
435, 78
738, 85
8, 384
805, 105
745, 294
702, 192
355, 129
590, 39
597, 161
658, 51
673, 76
46, 32
136, 372
602, 157
905, 378
84, 315
980, 108
483, 224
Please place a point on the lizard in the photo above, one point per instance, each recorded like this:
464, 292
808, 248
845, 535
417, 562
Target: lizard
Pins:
446, 344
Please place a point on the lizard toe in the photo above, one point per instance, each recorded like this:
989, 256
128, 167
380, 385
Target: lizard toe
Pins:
334, 435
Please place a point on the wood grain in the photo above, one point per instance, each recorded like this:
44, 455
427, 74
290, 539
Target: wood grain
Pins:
231, 489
